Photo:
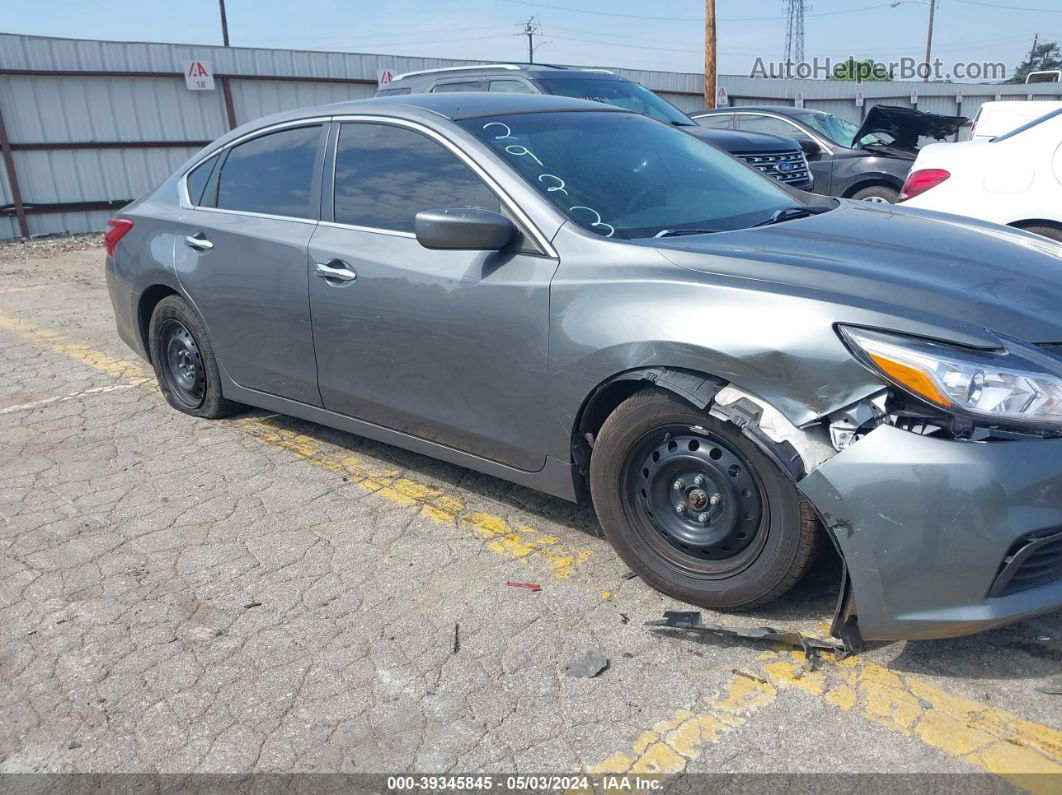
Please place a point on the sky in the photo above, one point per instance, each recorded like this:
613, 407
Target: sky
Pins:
633, 34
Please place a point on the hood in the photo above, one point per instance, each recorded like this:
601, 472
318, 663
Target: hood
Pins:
743, 142
949, 276
907, 125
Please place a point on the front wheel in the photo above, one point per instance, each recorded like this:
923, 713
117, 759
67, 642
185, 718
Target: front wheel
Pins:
695, 508
184, 361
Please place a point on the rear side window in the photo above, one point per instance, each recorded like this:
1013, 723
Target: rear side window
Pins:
272, 174
468, 85
385, 175
198, 178
387, 92
511, 87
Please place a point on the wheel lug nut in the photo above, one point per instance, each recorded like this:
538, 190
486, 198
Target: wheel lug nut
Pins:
680, 509
677, 485
699, 480
702, 518
715, 499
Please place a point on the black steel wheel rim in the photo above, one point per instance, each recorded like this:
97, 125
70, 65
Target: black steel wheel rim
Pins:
181, 363
697, 499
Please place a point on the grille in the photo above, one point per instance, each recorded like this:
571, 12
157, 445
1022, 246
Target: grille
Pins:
1034, 561
788, 166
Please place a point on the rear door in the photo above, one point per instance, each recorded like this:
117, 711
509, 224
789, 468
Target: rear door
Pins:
449, 346
241, 256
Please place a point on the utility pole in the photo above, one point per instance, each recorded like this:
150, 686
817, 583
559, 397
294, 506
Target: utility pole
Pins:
1032, 52
530, 29
929, 37
709, 53
224, 24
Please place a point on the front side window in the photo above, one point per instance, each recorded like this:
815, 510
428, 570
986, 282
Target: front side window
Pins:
622, 175
385, 175
717, 121
271, 174
754, 122
624, 94
198, 178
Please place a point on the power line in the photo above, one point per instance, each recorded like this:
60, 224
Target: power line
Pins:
1010, 8
688, 19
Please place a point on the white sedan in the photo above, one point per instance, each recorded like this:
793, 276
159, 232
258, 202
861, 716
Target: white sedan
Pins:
1015, 179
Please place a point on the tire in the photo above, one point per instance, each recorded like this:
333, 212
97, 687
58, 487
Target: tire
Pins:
759, 538
880, 194
184, 362
1051, 232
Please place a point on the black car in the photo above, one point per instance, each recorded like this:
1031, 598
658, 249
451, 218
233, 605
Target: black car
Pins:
777, 156
868, 161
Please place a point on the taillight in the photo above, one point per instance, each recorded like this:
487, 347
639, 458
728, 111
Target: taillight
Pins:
920, 181
116, 229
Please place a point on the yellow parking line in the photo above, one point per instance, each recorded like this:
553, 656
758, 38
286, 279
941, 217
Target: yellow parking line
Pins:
500, 536
1027, 754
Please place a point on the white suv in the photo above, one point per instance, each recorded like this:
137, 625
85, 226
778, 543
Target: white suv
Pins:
1015, 179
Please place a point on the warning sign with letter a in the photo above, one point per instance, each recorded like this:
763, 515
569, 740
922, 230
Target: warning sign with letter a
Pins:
198, 76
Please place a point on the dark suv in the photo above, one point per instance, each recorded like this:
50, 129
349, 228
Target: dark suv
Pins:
777, 156
868, 161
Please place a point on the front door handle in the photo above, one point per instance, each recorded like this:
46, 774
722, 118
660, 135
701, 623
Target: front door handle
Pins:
335, 269
198, 241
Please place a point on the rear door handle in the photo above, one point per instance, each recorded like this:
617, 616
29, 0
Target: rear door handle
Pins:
335, 269
198, 241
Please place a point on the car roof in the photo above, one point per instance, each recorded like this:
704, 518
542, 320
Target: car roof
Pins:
503, 69
785, 110
423, 107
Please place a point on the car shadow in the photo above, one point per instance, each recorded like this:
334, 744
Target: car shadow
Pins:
1030, 649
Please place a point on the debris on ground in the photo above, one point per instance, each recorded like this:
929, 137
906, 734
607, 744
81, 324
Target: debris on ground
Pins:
588, 666
531, 586
455, 647
22, 249
1052, 688
624, 618
690, 620
629, 575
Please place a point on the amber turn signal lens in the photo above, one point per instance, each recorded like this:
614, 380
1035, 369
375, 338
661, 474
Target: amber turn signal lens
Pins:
912, 378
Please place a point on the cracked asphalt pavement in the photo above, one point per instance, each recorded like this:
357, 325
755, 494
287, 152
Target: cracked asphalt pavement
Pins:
265, 594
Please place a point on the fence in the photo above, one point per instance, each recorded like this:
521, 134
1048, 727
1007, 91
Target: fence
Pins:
86, 126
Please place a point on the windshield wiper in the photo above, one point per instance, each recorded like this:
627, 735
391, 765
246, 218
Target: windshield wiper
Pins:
679, 232
789, 213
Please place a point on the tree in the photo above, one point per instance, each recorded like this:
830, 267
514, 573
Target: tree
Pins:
1043, 57
866, 71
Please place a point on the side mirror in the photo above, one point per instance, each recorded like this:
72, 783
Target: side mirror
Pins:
468, 229
810, 147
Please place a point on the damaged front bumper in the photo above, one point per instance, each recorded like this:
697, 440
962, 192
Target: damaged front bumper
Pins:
929, 528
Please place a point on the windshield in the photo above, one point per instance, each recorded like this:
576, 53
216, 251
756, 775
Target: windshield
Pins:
1027, 126
624, 176
840, 131
621, 93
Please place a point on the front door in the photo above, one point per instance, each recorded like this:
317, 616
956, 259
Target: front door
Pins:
448, 346
241, 255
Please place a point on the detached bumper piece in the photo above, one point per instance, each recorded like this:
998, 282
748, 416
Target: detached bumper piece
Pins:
1034, 561
691, 620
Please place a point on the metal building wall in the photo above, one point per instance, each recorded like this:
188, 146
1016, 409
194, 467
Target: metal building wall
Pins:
125, 107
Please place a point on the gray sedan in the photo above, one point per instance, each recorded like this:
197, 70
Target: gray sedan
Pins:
588, 302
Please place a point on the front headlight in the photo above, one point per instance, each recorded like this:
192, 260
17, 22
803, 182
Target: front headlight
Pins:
1021, 385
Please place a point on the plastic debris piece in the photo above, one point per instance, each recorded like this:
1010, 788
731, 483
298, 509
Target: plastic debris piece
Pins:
588, 666
531, 586
691, 620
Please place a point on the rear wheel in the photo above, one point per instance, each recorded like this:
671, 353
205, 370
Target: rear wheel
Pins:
1052, 232
695, 508
877, 194
184, 361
